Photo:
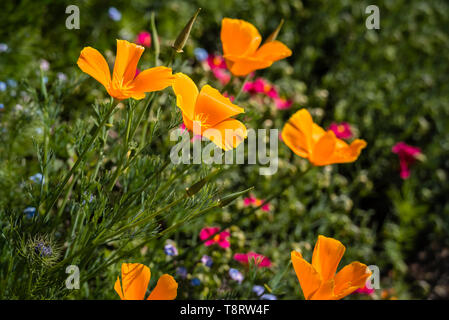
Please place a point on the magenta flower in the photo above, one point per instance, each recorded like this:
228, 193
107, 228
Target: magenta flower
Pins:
365, 290
216, 62
144, 39
342, 130
258, 259
222, 75
261, 85
407, 156
254, 202
282, 103
228, 96
222, 238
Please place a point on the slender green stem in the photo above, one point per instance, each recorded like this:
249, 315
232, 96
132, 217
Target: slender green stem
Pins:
228, 85
118, 171
241, 89
82, 156
146, 124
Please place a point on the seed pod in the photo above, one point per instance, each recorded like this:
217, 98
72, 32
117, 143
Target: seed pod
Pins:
231, 197
275, 33
184, 35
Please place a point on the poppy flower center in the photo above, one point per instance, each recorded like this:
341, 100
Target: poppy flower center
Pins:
217, 238
202, 119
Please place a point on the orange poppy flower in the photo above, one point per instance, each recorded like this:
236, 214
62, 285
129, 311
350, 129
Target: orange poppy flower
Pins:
135, 279
208, 113
310, 141
241, 41
124, 83
318, 280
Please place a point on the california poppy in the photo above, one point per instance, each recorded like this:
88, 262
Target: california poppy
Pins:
310, 141
208, 113
242, 50
318, 280
135, 279
124, 83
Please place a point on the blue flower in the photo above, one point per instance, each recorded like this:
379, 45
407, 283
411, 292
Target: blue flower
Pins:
29, 212
259, 290
37, 178
182, 272
2, 106
200, 54
170, 250
268, 296
12, 83
207, 261
195, 282
114, 14
3, 47
43, 250
2, 86
236, 275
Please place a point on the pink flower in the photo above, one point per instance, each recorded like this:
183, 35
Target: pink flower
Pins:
407, 156
261, 85
260, 260
222, 238
282, 103
254, 202
248, 201
228, 96
365, 290
216, 62
342, 130
222, 75
144, 39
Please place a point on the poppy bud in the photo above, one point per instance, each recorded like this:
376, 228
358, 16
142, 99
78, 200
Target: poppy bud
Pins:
231, 197
275, 33
184, 35
193, 189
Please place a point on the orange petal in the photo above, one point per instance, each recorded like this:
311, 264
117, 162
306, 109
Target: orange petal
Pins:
273, 51
297, 133
324, 149
228, 134
350, 278
238, 37
127, 57
118, 288
135, 279
245, 65
93, 63
326, 257
345, 153
308, 277
166, 289
325, 292
186, 94
214, 106
153, 79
